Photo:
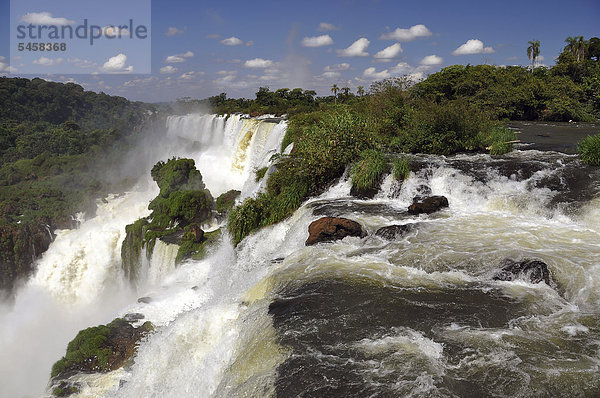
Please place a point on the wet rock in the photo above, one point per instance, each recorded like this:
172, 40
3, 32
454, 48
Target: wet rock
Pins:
195, 288
366, 193
536, 271
427, 205
195, 233
328, 229
173, 239
145, 300
226, 201
133, 317
66, 389
393, 232
277, 260
101, 348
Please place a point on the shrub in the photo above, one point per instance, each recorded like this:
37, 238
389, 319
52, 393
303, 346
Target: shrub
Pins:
260, 173
498, 140
226, 201
589, 150
400, 169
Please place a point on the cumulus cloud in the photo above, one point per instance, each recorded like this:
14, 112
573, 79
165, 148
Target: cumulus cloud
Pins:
258, 63
47, 61
135, 82
371, 73
173, 59
473, 46
45, 18
389, 52
409, 34
232, 41
168, 69
317, 41
356, 49
325, 27
172, 31
431, 60
190, 75
117, 64
5, 68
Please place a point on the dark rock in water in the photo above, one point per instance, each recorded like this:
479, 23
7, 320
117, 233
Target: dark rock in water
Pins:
535, 270
277, 260
393, 232
365, 193
195, 288
196, 233
427, 205
328, 229
101, 348
144, 300
134, 316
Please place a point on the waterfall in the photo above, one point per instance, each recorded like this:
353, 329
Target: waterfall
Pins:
78, 281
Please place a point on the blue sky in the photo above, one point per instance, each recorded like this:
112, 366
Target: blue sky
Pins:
202, 48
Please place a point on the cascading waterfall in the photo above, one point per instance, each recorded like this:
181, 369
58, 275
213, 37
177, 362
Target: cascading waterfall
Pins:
417, 316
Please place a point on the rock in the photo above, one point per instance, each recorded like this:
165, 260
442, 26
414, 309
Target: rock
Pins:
536, 271
173, 238
195, 232
328, 229
393, 232
427, 205
277, 260
226, 201
145, 300
133, 317
365, 193
101, 348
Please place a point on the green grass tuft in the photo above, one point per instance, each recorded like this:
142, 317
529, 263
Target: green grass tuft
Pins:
260, 173
367, 172
589, 150
400, 169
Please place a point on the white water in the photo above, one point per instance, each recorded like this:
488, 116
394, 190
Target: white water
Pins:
79, 282
214, 336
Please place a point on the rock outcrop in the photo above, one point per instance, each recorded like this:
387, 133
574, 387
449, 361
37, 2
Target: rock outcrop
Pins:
427, 205
393, 232
328, 229
101, 348
535, 271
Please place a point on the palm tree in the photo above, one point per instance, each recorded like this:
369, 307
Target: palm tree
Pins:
360, 90
346, 91
334, 90
533, 51
580, 45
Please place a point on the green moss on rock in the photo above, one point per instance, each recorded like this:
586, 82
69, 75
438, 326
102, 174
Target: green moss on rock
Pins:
226, 201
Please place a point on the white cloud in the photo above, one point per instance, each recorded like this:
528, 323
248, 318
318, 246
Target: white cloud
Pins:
337, 67
135, 82
409, 34
5, 68
331, 74
81, 63
172, 31
116, 64
45, 18
473, 46
356, 49
190, 75
402, 68
47, 61
317, 41
370, 73
114, 31
431, 60
258, 63
325, 27
389, 52
250, 43
168, 69
173, 59
232, 41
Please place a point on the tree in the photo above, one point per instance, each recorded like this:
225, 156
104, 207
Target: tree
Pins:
360, 90
593, 51
533, 51
346, 91
334, 90
576, 46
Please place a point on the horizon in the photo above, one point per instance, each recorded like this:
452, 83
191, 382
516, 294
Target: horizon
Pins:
202, 49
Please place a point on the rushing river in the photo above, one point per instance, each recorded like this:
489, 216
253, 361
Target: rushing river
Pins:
418, 316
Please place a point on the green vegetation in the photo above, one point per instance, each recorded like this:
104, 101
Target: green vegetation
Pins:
178, 212
64, 389
368, 172
589, 150
58, 144
260, 173
400, 169
101, 348
226, 201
